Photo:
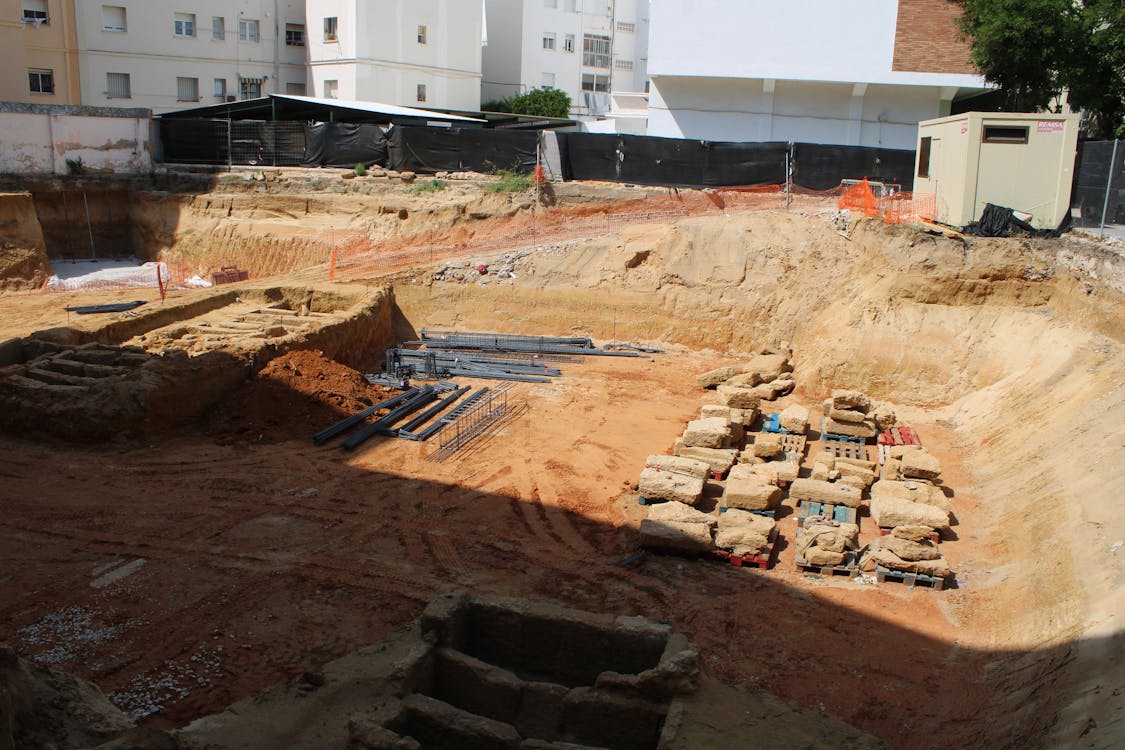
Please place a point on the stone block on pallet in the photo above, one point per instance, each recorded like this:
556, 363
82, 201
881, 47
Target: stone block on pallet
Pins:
679, 464
794, 419
815, 491
847, 399
677, 537
863, 430
751, 493
712, 432
669, 485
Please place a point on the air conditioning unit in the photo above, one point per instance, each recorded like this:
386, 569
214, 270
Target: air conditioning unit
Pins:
230, 97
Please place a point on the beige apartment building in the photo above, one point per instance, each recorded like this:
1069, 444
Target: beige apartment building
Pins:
38, 52
174, 55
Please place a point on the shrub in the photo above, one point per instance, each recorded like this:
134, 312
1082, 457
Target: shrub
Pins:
432, 186
360, 169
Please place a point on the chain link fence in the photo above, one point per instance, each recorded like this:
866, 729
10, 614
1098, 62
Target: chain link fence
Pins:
1097, 202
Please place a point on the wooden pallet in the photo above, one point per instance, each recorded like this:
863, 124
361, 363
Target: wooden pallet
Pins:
849, 568
762, 560
841, 449
882, 575
904, 435
838, 513
772, 423
791, 443
717, 475
934, 536
830, 436
229, 275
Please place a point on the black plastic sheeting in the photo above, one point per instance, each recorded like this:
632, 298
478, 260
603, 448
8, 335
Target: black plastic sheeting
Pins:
820, 167
344, 144
428, 150
255, 142
1000, 221
646, 160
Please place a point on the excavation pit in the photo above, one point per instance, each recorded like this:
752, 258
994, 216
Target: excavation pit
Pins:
1004, 355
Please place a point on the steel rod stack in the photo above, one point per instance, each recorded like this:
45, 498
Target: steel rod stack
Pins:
432, 364
516, 343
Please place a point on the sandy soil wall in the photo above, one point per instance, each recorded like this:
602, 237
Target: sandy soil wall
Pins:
23, 253
1017, 344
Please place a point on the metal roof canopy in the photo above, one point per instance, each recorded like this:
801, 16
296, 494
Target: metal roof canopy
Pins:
290, 107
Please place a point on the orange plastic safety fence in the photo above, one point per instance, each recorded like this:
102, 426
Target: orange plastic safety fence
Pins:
859, 197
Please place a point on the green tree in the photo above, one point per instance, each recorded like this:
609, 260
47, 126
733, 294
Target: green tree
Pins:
537, 102
1034, 49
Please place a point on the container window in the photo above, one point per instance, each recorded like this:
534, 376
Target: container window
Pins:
924, 157
1004, 134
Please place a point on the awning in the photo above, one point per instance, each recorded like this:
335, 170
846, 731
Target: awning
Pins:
290, 107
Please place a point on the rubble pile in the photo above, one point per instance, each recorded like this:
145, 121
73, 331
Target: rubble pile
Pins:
743, 533
764, 377
850, 413
826, 542
672, 478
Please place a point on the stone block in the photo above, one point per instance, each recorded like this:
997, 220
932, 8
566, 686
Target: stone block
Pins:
715, 377
669, 485
795, 419
679, 464
812, 490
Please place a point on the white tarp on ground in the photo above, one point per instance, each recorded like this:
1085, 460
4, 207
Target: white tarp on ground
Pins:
144, 275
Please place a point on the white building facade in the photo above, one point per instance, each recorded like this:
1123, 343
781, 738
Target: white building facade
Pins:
817, 71
174, 55
416, 53
582, 47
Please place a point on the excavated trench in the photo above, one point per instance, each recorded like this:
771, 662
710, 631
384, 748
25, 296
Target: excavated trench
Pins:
1011, 349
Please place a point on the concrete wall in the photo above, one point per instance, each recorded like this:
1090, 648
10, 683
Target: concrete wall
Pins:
780, 110
377, 55
154, 56
806, 70
37, 139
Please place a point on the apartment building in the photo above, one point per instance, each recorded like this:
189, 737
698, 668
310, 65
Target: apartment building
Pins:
817, 71
169, 55
587, 48
418, 53
38, 52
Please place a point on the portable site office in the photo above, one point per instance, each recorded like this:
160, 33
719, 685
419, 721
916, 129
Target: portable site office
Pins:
1023, 161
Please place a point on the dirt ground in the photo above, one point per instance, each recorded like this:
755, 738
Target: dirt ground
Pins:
264, 557
207, 564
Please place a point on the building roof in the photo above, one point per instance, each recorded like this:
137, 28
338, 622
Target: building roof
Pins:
290, 107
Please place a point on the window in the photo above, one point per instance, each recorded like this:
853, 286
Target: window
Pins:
623, 64
548, 40
595, 51
296, 89
117, 86
249, 88
35, 11
41, 81
294, 35
183, 24
548, 80
187, 89
595, 82
924, 157
330, 29
248, 30
221, 89
623, 26
113, 18
331, 89
568, 43
421, 35
421, 92
1004, 134
218, 28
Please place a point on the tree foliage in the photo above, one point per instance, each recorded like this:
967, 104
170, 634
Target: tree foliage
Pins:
539, 102
1035, 49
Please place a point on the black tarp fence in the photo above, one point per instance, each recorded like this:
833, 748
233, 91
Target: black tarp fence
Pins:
642, 160
255, 142
344, 144
648, 160
429, 149
1097, 197
821, 167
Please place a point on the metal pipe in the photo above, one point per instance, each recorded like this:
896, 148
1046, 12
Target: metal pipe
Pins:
346, 424
1108, 187
432, 412
382, 425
